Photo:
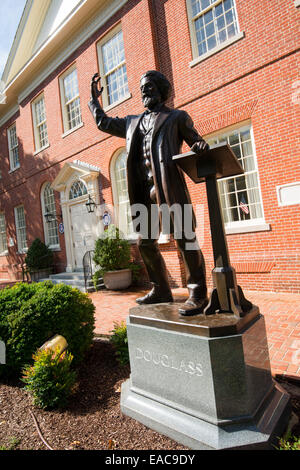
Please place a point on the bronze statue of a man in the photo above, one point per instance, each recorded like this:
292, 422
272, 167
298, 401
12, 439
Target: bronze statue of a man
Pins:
152, 139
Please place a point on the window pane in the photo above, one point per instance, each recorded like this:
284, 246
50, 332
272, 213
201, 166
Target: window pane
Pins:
20, 228
78, 189
240, 183
3, 238
74, 113
72, 100
71, 86
211, 42
51, 235
219, 23
121, 197
240, 196
40, 123
13, 146
117, 84
113, 56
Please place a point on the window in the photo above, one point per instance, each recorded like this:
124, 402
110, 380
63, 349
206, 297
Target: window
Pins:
70, 100
120, 192
78, 189
48, 206
113, 68
240, 196
213, 24
21, 229
13, 147
40, 123
3, 238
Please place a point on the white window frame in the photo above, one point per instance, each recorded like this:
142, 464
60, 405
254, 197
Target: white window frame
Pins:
64, 103
3, 235
55, 246
37, 125
250, 225
21, 248
12, 148
130, 234
106, 104
220, 45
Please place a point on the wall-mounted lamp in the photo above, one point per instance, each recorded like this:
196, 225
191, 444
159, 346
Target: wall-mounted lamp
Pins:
90, 205
50, 216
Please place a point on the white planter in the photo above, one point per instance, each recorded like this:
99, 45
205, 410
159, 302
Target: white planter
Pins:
117, 280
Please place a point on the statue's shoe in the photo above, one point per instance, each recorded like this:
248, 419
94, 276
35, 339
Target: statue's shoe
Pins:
193, 307
154, 297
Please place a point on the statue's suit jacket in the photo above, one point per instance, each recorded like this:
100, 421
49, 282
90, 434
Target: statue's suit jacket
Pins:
171, 128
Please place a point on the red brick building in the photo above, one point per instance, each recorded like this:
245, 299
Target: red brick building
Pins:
233, 66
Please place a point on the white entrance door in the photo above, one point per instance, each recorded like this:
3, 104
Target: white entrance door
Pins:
83, 227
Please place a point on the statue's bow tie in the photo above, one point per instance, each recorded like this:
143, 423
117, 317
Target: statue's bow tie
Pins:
154, 112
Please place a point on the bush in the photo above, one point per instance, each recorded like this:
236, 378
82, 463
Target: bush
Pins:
30, 314
96, 278
112, 252
289, 442
120, 342
39, 256
50, 380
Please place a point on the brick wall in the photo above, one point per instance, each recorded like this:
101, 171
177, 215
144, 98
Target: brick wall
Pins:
249, 81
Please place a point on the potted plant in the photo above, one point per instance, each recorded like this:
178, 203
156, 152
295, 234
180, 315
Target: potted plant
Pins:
112, 255
39, 260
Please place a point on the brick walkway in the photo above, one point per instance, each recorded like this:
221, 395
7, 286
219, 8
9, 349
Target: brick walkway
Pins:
281, 312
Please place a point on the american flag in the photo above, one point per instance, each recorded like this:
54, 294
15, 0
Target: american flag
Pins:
243, 206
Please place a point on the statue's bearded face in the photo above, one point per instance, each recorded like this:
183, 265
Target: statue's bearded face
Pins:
150, 93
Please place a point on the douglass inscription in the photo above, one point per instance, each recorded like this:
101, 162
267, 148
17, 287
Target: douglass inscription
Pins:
163, 360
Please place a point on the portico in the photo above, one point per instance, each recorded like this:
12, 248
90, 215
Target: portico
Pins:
75, 182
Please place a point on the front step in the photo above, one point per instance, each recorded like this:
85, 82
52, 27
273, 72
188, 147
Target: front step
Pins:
74, 279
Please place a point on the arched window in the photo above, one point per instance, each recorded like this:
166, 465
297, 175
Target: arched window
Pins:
78, 189
48, 206
120, 193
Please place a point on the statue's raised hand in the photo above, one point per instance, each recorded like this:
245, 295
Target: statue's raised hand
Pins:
96, 91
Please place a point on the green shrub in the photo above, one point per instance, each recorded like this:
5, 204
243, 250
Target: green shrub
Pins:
13, 444
289, 442
96, 277
39, 256
120, 342
112, 252
50, 380
30, 314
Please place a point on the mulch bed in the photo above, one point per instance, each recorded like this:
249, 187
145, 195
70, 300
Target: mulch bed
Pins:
92, 420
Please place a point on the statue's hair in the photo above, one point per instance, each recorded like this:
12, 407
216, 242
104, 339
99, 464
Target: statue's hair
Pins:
161, 82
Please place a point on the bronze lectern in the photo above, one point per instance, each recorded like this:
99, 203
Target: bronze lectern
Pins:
218, 162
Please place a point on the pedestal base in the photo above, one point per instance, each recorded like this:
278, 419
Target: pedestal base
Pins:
205, 392
199, 434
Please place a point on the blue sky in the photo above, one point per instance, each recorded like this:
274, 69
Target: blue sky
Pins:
10, 15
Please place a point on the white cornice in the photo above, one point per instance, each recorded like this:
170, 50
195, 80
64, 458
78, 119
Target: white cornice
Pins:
101, 18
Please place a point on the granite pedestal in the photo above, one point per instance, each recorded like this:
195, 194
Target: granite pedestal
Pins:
203, 381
